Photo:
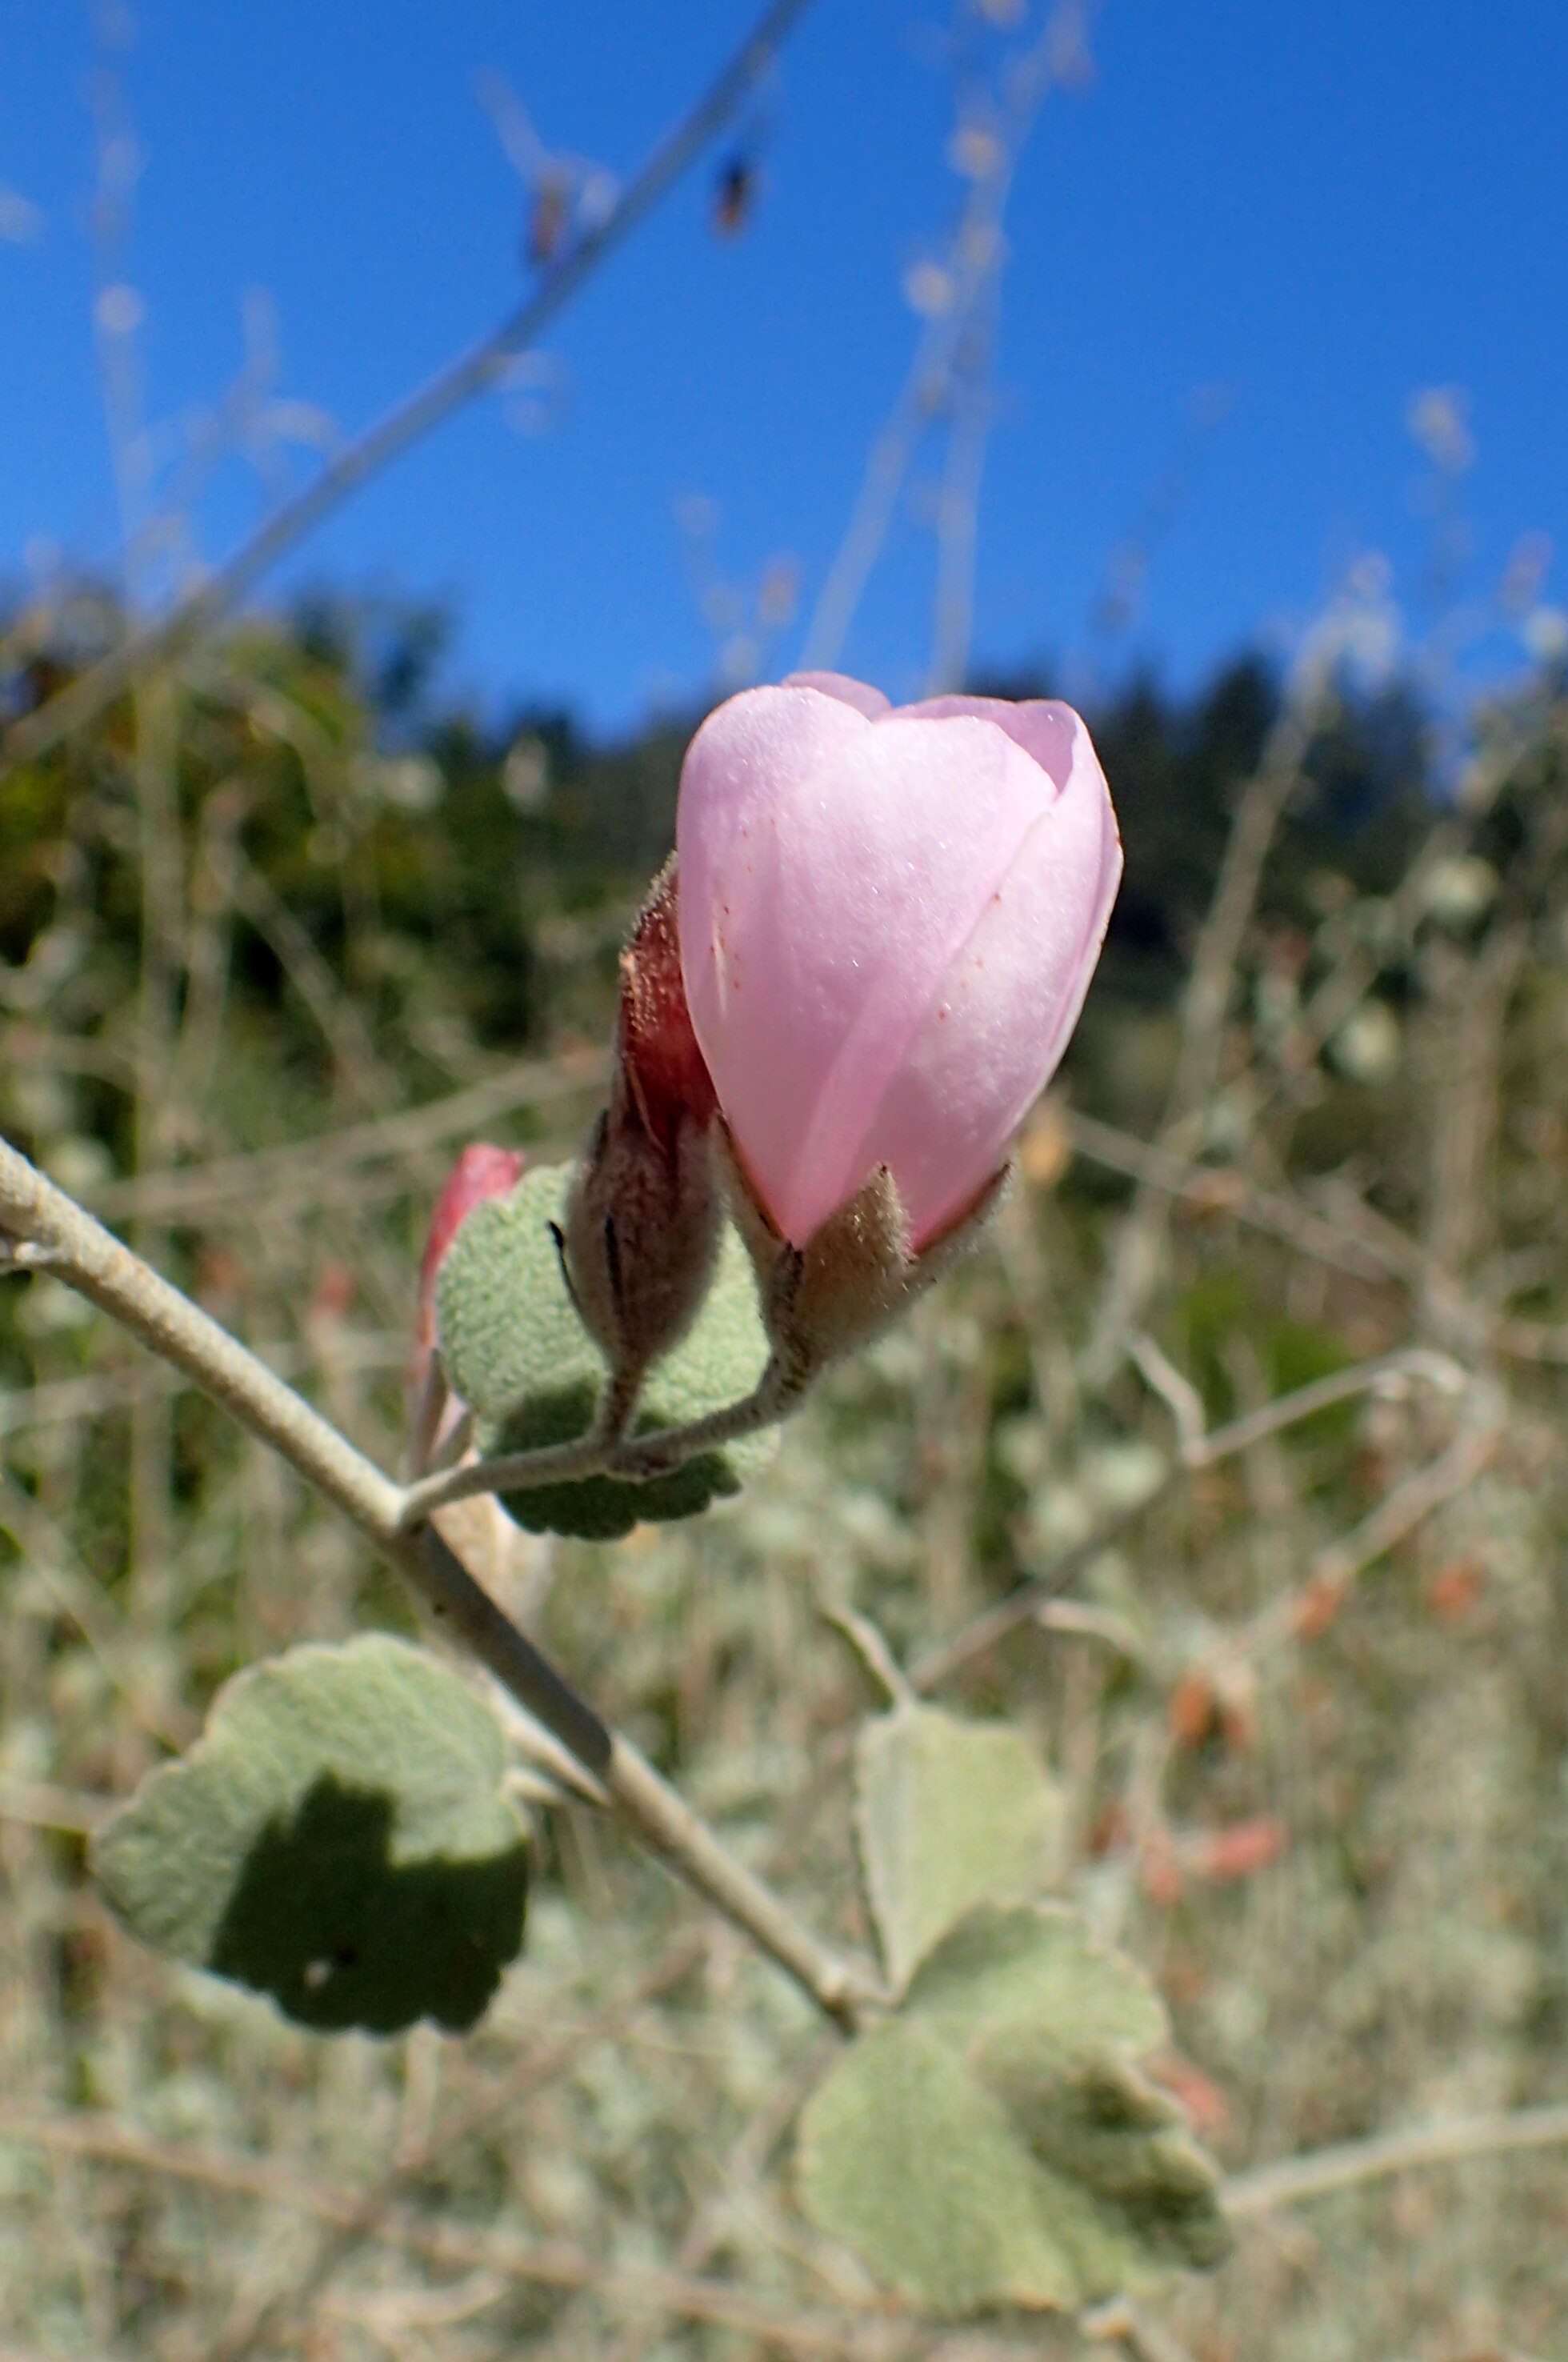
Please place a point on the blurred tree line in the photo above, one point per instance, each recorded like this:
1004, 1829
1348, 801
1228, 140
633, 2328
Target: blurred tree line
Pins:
424, 854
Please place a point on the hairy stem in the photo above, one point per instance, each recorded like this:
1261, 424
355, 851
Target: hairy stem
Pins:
83, 1255
603, 1451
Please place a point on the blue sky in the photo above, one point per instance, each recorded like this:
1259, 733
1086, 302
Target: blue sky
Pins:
1320, 211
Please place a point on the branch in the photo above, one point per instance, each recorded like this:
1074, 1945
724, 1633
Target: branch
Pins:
637, 1459
1223, 1189
1201, 1451
467, 374
305, 1170
84, 1255
452, 2246
1399, 1512
1325, 2171
1135, 1256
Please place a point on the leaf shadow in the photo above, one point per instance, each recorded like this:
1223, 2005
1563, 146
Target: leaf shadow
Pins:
340, 1935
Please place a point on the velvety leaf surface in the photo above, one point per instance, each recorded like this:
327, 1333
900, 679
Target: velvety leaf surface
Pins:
1038, 1965
995, 2143
948, 1813
905, 2154
336, 1839
516, 1350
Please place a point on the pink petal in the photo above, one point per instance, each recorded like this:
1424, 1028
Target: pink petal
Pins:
865, 871
1043, 726
858, 693
729, 782
1006, 1008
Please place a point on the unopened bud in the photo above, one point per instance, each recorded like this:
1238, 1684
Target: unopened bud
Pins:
890, 918
857, 1274
481, 1171
644, 1212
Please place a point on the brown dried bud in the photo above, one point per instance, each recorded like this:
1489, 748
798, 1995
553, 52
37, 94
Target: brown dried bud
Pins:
855, 1274
644, 1212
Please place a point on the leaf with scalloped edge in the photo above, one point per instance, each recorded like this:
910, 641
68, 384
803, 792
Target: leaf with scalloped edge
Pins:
948, 1813
1037, 1965
336, 1839
514, 1350
908, 2159
996, 2144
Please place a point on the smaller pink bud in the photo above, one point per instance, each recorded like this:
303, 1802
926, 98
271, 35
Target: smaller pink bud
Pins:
888, 922
481, 1171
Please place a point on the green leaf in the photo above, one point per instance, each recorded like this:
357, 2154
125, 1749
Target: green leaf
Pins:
1132, 2189
516, 1353
336, 1839
1038, 1966
996, 2144
906, 2156
948, 1813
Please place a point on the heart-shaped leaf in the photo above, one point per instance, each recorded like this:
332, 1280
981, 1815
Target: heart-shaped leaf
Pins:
336, 1839
516, 1353
996, 2144
949, 1813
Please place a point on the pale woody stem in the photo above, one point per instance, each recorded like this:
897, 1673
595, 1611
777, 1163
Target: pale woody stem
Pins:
635, 1459
50, 1228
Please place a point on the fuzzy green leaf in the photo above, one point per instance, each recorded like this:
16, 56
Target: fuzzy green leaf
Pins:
336, 1839
908, 2158
948, 1813
1037, 1966
516, 1350
996, 2144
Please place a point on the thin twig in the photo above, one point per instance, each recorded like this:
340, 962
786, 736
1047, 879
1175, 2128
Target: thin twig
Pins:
1179, 1394
121, 1285
538, 2068
39, 1805
1221, 1189
64, 1401
1397, 1514
76, 1593
1323, 2171
364, 1074
1135, 1256
1023, 1606
470, 373
310, 1167
544, 2263
636, 1460
1145, 2339
849, 2336
979, 250
872, 1650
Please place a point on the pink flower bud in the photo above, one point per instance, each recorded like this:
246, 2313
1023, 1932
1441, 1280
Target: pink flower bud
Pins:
889, 921
481, 1171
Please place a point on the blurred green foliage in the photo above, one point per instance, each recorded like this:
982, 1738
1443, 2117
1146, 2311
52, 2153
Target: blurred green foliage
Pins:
259, 928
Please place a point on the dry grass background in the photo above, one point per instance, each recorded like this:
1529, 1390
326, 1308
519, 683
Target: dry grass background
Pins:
1301, 1678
